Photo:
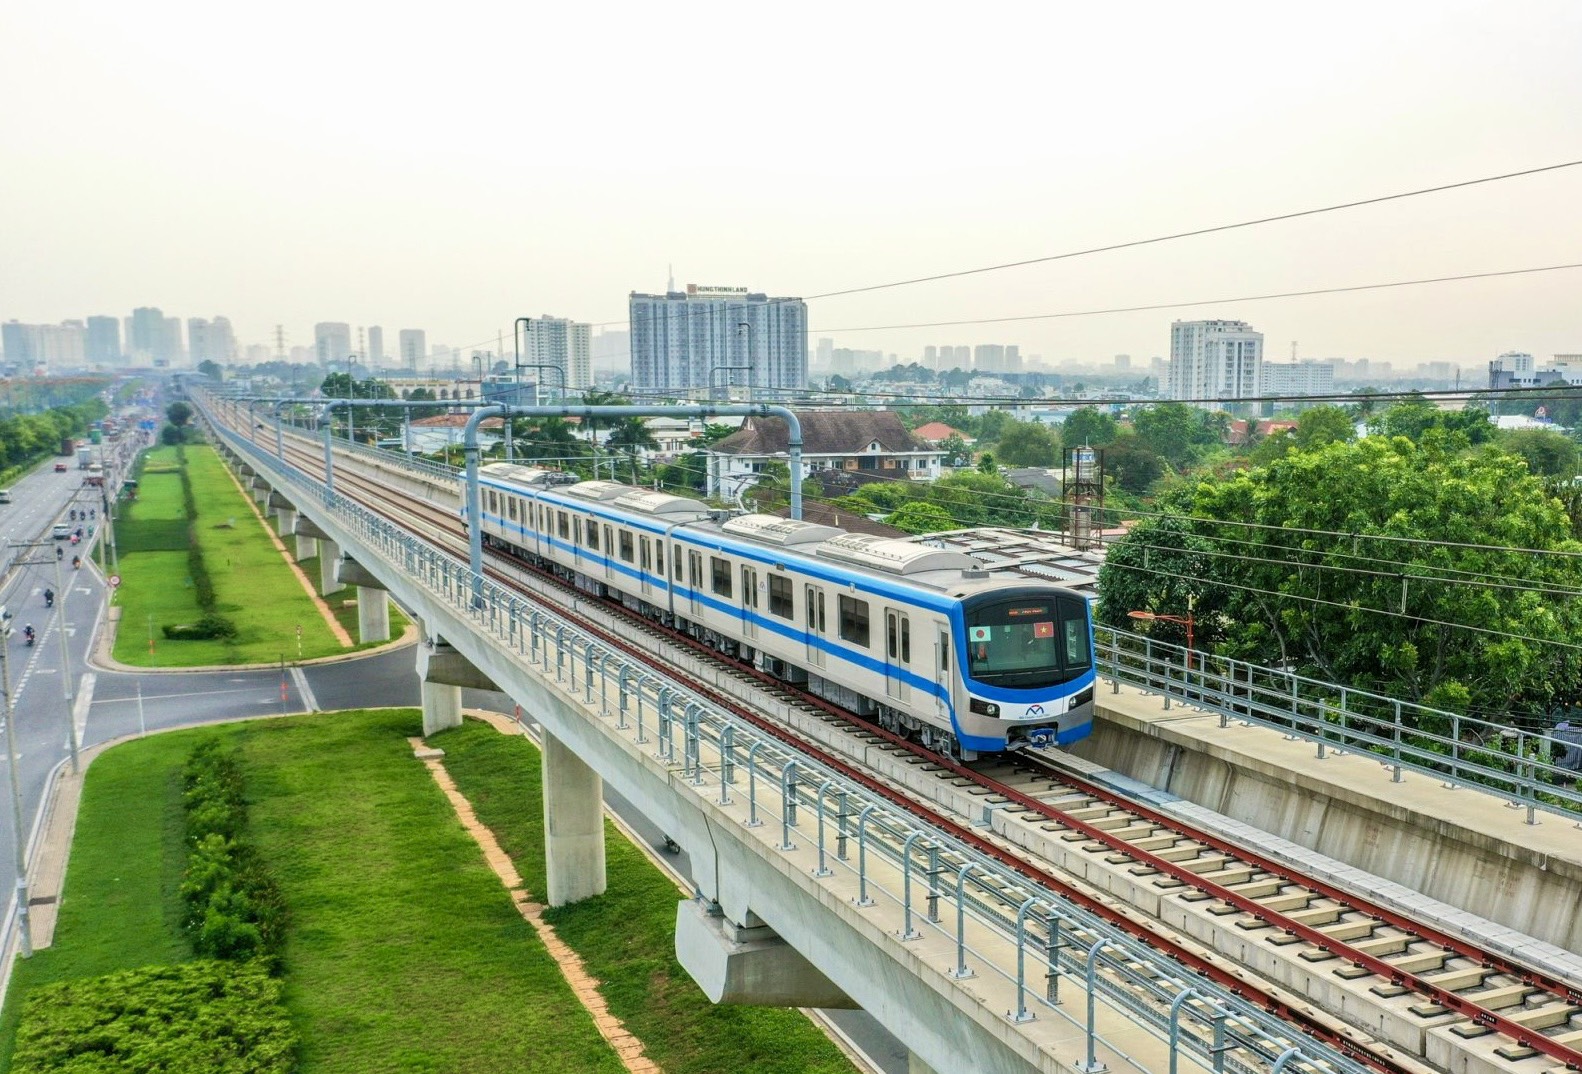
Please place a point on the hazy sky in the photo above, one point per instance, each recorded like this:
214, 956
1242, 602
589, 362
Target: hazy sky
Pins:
452, 166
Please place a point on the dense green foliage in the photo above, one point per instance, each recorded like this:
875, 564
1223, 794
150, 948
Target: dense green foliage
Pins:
232, 904
195, 1018
26, 438
1389, 564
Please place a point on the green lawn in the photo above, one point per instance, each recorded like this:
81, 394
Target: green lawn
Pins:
121, 909
253, 585
627, 935
404, 951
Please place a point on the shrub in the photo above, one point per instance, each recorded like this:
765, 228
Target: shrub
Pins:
210, 626
196, 1017
233, 908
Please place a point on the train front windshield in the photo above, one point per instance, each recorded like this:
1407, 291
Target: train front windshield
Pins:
1025, 643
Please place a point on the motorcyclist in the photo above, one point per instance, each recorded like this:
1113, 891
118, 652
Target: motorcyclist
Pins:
49, 598
27, 632
76, 562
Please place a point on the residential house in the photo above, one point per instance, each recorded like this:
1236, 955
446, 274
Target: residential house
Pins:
871, 443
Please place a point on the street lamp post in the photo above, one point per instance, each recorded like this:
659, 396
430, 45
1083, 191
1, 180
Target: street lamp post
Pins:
24, 925
60, 626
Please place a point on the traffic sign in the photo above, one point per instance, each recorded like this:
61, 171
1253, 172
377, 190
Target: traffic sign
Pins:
115, 580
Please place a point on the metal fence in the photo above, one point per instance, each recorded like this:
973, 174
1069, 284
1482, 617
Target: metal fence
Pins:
1460, 750
922, 879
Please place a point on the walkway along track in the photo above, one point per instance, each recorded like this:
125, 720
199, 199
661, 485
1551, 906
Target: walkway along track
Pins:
1471, 997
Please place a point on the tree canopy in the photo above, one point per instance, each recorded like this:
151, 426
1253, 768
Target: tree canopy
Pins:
1091, 426
1028, 443
1385, 563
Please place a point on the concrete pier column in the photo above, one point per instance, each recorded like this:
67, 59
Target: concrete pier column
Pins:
373, 614
573, 825
329, 557
444, 672
285, 521
441, 706
307, 548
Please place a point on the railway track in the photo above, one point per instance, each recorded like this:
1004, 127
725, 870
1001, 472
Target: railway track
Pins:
1442, 989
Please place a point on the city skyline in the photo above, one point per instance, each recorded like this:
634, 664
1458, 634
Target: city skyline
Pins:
296, 204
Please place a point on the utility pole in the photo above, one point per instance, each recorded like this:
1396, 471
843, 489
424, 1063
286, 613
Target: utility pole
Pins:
24, 923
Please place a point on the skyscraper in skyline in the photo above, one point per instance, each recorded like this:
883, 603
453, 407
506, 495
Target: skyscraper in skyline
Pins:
413, 344
145, 340
332, 342
210, 340
563, 343
104, 340
1213, 360
376, 346
684, 342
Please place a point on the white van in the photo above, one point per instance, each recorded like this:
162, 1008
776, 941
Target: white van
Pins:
5, 495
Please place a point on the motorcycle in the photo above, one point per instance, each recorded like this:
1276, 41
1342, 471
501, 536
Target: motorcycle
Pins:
49, 598
28, 636
76, 563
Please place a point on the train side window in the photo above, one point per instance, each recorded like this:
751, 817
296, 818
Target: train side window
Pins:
906, 640
721, 569
820, 603
944, 651
647, 556
890, 636
562, 524
659, 557
627, 552
854, 621
510, 508
695, 569
494, 503
593, 536
780, 596
675, 558
749, 588
609, 540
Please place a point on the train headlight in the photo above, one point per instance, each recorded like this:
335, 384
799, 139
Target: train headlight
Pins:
984, 708
1083, 698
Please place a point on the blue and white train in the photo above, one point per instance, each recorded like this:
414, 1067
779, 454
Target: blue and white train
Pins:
919, 638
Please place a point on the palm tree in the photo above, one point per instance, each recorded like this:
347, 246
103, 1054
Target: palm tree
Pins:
631, 435
551, 439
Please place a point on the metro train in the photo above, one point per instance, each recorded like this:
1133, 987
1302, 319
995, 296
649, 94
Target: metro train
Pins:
923, 640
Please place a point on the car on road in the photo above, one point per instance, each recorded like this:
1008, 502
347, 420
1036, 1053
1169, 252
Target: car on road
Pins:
5, 495
60, 467
61, 531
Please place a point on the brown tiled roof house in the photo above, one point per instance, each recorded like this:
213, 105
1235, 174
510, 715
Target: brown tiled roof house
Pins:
873, 442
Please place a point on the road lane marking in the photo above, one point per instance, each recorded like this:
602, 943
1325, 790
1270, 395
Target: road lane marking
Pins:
79, 710
304, 691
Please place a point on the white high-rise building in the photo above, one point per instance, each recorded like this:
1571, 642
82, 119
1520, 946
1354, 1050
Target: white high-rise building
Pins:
1307, 377
564, 344
332, 343
1214, 360
718, 337
413, 346
376, 347
211, 341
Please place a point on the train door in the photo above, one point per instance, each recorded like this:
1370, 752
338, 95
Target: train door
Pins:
815, 626
897, 654
695, 583
609, 553
749, 603
646, 563
942, 672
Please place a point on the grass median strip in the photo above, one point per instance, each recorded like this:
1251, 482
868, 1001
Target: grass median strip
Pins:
626, 937
403, 951
252, 584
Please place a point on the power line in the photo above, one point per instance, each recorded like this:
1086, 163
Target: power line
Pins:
1204, 301
1186, 234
